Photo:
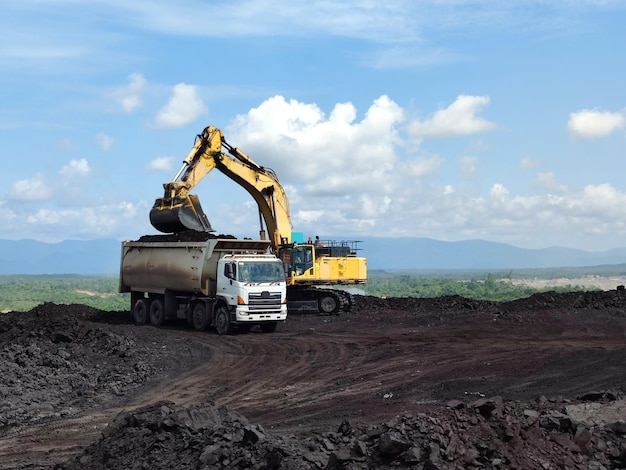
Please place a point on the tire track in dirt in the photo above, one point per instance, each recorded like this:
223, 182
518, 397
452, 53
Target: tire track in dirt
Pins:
295, 380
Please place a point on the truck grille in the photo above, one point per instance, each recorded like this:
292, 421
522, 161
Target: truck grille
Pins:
264, 300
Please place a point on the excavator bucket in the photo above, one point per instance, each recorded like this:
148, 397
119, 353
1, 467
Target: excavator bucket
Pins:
173, 215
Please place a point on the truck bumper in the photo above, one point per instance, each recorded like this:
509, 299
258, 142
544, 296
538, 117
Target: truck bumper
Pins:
243, 315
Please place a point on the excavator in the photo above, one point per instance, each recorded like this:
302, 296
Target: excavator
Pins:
313, 270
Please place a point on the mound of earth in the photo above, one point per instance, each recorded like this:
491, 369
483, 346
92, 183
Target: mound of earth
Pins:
440, 383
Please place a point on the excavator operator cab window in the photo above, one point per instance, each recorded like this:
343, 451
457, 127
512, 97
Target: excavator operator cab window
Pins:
296, 259
302, 258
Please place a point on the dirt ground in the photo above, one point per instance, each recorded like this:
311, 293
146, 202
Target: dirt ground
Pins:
397, 383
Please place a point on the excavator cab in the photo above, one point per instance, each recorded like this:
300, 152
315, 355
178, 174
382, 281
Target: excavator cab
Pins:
179, 214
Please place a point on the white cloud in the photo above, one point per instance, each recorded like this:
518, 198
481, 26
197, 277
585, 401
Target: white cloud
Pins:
161, 164
423, 167
75, 168
130, 96
460, 118
467, 166
590, 124
71, 182
499, 192
33, 189
548, 181
109, 220
184, 106
104, 141
528, 163
331, 155
603, 200
66, 145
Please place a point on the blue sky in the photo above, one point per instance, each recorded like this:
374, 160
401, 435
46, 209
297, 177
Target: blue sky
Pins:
445, 119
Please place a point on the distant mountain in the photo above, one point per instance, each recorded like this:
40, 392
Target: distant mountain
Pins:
102, 256
426, 253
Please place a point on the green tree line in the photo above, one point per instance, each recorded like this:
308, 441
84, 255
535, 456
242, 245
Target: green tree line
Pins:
478, 286
24, 292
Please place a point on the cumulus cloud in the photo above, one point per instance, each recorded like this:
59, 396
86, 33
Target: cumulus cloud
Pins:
104, 141
460, 118
129, 96
33, 189
590, 124
87, 222
184, 106
329, 155
603, 199
75, 168
548, 181
161, 164
423, 167
499, 192
71, 180
528, 163
467, 166
66, 145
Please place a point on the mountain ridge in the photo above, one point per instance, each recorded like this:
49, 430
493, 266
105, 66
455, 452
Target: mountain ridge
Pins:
101, 256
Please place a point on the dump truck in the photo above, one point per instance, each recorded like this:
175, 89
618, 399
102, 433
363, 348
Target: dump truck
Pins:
227, 284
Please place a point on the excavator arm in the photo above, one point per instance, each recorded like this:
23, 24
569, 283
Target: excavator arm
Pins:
178, 210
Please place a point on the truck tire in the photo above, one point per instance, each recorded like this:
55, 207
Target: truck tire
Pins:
157, 312
223, 326
269, 326
140, 311
199, 317
328, 303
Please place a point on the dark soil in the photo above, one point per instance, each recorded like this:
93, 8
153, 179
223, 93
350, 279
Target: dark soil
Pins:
397, 383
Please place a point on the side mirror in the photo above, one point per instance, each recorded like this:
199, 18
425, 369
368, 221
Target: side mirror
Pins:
228, 271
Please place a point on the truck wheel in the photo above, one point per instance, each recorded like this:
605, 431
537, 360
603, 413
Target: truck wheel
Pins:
328, 304
269, 327
140, 311
199, 317
222, 321
157, 312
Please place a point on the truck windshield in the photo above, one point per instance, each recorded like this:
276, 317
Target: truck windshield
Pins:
256, 271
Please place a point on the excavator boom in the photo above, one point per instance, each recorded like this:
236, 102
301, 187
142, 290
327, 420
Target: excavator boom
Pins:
178, 210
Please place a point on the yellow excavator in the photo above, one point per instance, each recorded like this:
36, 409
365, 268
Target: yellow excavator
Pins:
313, 270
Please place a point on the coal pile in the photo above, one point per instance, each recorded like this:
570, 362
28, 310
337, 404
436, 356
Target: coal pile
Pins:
55, 360
184, 236
485, 433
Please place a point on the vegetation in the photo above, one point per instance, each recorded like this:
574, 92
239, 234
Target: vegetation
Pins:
23, 292
470, 284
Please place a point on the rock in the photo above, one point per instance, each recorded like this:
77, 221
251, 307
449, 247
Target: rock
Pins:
251, 435
392, 444
455, 404
592, 396
210, 454
617, 426
487, 406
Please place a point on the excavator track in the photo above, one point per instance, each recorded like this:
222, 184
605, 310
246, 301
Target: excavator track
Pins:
319, 300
